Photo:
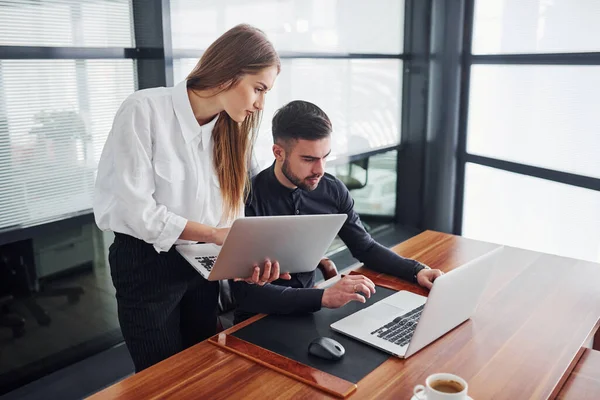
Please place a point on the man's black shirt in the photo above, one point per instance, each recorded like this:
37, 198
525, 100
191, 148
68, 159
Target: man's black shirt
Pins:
268, 197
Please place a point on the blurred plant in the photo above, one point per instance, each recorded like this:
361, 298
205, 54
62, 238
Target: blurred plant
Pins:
59, 124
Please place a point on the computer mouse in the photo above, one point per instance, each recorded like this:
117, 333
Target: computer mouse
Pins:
326, 348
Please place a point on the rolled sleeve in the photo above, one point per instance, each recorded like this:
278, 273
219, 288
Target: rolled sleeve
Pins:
174, 226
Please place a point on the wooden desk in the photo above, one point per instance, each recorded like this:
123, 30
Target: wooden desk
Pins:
584, 381
522, 343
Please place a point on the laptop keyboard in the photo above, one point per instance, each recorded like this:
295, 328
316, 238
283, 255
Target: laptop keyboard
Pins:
207, 261
400, 330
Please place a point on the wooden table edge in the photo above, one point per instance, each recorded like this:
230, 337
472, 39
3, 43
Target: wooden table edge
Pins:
274, 361
569, 370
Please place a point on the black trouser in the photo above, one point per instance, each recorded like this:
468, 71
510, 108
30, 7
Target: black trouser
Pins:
164, 305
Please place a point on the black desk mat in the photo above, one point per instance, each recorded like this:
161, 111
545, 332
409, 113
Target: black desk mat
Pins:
290, 335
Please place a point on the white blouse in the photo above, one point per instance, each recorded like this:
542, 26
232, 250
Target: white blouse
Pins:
156, 170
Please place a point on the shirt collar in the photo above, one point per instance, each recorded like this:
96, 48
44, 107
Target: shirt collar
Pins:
206, 131
278, 186
190, 128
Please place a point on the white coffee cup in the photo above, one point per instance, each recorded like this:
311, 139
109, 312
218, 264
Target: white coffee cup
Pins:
442, 386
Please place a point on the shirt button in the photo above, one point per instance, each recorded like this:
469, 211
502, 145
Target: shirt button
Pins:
297, 212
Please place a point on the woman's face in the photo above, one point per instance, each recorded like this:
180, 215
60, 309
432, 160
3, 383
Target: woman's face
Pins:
248, 95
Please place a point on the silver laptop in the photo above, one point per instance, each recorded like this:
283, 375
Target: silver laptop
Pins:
404, 323
297, 242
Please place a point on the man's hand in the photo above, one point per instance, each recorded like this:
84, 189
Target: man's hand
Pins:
425, 277
271, 272
346, 290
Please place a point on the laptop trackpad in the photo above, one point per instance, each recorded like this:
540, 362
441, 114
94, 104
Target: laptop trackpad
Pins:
384, 311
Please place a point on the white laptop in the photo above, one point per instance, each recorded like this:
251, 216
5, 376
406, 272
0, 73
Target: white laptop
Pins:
404, 323
297, 242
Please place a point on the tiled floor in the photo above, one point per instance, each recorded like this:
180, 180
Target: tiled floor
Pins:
79, 380
74, 328
71, 324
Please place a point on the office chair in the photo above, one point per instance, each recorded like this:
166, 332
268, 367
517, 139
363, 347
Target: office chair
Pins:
11, 320
227, 303
350, 180
16, 260
353, 183
328, 268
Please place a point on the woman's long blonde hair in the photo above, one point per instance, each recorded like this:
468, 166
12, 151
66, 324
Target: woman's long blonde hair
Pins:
241, 50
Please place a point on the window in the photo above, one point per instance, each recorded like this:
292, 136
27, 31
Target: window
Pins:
333, 55
63, 75
378, 197
536, 26
327, 26
56, 131
541, 115
361, 97
55, 115
532, 171
527, 212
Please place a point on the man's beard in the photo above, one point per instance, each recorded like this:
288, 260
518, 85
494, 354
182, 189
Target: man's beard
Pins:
301, 183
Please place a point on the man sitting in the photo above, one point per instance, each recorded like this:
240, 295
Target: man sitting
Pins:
296, 183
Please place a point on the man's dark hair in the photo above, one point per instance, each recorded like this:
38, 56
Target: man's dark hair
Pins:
300, 120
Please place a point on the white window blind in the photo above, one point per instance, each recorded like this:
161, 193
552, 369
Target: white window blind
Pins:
55, 115
81, 23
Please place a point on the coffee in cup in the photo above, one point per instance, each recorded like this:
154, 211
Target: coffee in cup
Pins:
447, 386
442, 386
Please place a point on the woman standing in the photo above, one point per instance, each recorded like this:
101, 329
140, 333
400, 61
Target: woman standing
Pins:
175, 169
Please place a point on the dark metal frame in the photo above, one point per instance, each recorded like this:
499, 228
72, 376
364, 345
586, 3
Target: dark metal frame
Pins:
410, 164
286, 55
152, 28
589, 58
581, 181
427, 168
463, 116
69, 53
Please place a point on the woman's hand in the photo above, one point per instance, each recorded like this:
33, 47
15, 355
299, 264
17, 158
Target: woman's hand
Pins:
198, 232
219, 235
271, 272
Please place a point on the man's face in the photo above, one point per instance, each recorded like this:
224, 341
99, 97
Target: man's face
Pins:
304, 161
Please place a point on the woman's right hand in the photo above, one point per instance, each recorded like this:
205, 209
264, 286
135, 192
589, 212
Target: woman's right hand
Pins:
219, 236
271, 272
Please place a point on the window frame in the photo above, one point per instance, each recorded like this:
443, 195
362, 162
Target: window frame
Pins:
463, 157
